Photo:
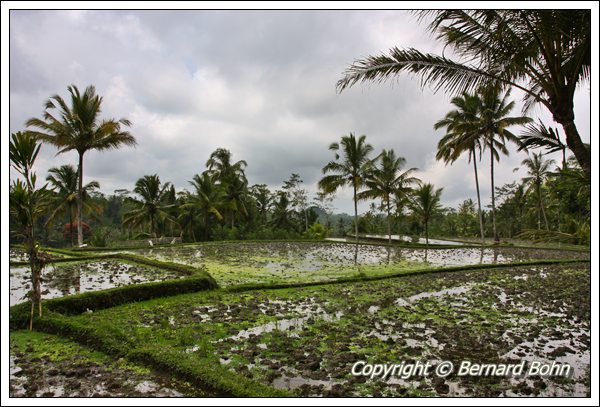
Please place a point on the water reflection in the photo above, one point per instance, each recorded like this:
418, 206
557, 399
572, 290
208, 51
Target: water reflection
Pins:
74, 278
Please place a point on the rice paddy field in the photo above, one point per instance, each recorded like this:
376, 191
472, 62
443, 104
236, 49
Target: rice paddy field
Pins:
297, 318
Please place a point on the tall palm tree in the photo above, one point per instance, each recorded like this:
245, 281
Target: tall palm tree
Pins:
351, 171
425, 202
78, 127
152, 205
263, 199
206, 200
386, 179
282, 211
493, 125
461, 137
538, 170
544, 53
231, 176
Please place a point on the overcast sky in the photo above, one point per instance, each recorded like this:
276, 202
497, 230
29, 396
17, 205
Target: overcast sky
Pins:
259, 83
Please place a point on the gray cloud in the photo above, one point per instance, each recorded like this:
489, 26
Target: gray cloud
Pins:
260, 83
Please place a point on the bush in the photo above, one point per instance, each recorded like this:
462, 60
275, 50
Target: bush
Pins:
316, 231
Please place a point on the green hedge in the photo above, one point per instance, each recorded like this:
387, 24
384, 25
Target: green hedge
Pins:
95, 300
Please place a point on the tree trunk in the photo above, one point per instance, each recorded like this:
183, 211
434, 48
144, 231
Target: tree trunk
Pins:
426, 232
355, 225
539, 211
577, 147
389, 223
478, 200
544, 211
71, 224
36, 285
80, 202
192, 230
306, 220
496, 239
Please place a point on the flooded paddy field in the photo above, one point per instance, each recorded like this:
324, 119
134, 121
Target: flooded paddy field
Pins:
307, 340
60, 279
44, 365
244, 263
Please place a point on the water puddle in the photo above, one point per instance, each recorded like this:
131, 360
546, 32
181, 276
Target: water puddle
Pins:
73, 278
284, 325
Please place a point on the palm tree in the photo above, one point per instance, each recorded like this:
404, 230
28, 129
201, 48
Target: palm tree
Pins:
262, 198
206, 200
63, 181
425, 202
232, 178
352, 171
78, 128
538, 171
460, 138
493, 121
544, 53
152, 205
387, 179
282, 211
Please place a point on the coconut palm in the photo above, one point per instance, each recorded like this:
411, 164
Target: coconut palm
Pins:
205, 200
152, 205
538, 170
282, 211
78, 127
230, 175
386, 179
63, 180
351, 171
492, 123
262, 199
424, 203
461, 138
544, 53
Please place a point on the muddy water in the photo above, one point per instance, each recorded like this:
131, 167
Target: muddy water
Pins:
72, 278
309, 257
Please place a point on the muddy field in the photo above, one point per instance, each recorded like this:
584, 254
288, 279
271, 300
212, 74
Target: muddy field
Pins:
47, 366
307, 340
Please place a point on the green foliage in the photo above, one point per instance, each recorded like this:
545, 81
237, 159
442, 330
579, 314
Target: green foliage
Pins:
81, 130
152, 205
316, 231
544, 53
96, 300
100, 237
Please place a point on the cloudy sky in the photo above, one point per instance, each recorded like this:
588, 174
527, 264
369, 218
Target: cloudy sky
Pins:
259, 83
